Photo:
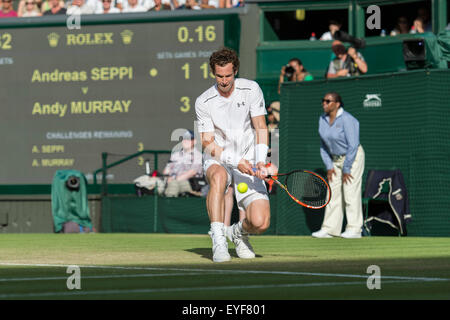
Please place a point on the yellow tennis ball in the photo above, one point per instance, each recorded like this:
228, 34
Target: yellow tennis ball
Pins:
242, 187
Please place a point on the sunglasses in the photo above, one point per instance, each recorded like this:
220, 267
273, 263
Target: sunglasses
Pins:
327, 101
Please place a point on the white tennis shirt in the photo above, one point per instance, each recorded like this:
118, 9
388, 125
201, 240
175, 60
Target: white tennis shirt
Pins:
230, 118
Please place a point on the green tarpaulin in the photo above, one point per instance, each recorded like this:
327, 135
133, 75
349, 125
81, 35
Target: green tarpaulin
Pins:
69, 205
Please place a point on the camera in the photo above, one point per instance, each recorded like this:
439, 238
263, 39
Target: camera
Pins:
73, 183
357, 43
289, 71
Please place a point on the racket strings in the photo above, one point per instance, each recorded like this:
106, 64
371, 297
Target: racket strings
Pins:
308, 188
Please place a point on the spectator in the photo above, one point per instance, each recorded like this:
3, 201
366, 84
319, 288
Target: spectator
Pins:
424, 15
293, 71
159, 5
80, 7
333, 26
134, 5
28, 8
234, 3
273, 122
273, 116
418, 26
38, 4
344, 158
183, 166
208, 4
56, 7
189, 5
44, 5
7, 10
401, 27
107, 7
98, 4
346, 63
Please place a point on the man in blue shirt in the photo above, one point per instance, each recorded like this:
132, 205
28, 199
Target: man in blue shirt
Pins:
343, 157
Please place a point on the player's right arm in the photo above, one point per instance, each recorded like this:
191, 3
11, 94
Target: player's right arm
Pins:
223, 156
209, 146
206, 128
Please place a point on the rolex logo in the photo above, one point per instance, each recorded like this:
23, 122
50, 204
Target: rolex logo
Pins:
127, 36
53, 39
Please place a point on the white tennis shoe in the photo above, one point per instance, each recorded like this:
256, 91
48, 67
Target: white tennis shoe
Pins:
242, 245
321, 234
220, 247
351, 235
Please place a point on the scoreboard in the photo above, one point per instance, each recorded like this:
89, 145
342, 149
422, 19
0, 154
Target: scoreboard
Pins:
69, 95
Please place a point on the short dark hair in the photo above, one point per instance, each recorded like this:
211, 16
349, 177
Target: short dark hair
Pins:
299, 63
336, 22
223, 57
296, 60
336, 96
338, 48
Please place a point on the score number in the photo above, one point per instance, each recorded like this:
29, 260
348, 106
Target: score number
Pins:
202, 33
204, 69
5, 41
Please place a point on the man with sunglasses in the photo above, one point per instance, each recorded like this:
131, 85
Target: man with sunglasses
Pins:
7, 9
344, 158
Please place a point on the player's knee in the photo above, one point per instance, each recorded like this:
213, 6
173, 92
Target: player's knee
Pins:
218, 179
263, 227
260, 224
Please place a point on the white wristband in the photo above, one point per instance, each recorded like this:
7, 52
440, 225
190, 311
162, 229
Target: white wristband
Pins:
261, 152
228, 157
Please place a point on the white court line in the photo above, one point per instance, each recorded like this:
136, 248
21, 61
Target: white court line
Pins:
140, 275
159, 290
340, 275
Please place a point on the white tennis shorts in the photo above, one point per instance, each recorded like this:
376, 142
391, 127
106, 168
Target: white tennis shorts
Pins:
256, 187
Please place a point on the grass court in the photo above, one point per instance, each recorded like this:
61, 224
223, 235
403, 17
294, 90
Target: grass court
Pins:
179, 266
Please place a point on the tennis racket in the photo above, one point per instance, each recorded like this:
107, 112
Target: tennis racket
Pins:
305, 187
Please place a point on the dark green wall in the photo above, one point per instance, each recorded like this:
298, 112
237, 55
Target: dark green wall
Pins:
170, 215
409, 131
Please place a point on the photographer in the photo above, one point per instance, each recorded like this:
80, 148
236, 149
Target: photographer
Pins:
293, 71
346, 63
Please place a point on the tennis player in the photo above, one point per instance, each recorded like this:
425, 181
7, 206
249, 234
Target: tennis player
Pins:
234, 136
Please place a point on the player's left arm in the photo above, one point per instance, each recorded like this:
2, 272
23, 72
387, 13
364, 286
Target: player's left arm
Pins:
262, 145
